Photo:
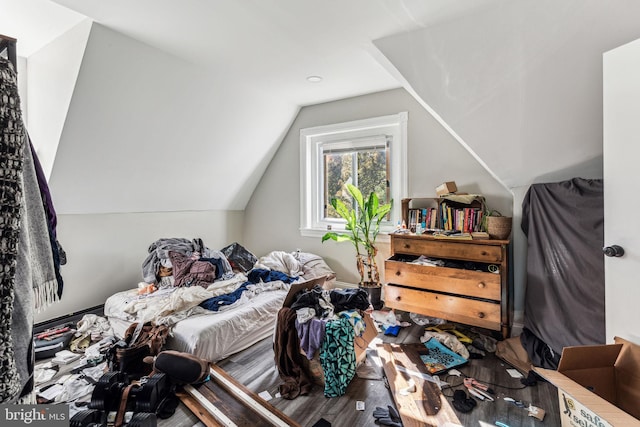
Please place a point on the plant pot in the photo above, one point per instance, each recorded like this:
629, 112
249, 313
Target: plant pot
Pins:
375, 294
499, 227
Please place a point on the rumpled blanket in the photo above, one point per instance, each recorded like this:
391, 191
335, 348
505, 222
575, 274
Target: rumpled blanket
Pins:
280, 261
166, 306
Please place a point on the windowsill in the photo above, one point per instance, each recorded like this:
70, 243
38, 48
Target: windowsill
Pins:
383, 236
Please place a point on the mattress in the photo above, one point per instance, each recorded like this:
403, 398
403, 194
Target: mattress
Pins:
217, 335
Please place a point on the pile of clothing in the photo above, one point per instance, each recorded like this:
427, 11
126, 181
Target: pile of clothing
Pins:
324, 321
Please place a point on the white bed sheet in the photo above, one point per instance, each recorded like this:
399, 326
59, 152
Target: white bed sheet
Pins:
217, 335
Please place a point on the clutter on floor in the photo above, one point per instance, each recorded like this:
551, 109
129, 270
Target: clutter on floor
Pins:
116, 382
427, 379
438, 365
224, 401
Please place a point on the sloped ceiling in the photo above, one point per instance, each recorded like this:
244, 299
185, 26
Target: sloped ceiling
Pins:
181, 105
521, 85
35, 23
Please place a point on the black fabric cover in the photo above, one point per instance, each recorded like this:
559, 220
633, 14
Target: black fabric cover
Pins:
540, 353
564, 299
347, 299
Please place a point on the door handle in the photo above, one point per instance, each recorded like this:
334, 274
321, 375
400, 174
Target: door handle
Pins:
613, 251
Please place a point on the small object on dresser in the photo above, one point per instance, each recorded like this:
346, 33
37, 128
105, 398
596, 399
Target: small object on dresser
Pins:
446, 188
479, 235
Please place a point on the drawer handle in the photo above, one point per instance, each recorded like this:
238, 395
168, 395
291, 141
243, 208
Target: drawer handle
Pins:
481, 285
398, 273
398, 298
481, 315
407, 246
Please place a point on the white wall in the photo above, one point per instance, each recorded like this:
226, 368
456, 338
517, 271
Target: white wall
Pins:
272, 218
105, 251
148, 132
51, 78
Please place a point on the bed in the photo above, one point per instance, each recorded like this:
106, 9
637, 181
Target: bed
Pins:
215, 335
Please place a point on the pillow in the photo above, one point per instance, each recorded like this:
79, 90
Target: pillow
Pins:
314, 266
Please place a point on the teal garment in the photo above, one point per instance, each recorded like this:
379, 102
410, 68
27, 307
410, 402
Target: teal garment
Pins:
338, 357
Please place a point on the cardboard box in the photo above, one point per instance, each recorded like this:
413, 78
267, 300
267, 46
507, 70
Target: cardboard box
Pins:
598, 385
360, 343
446, 188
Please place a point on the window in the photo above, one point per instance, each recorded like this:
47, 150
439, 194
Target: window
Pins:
370, 153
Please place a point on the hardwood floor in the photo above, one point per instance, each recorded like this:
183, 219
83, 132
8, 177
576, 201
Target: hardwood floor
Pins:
255, 368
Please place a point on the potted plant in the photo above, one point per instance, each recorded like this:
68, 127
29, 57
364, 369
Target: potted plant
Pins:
361, 229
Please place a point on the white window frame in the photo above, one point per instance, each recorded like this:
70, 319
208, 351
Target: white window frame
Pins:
312, 139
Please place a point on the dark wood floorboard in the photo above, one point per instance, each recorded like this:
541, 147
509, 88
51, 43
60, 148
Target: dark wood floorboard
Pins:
255, 368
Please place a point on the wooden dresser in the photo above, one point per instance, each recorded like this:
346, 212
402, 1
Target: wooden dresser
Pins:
474, 288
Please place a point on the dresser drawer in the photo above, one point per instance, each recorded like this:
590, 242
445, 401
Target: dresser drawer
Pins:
440, 248
453, 308
451, 280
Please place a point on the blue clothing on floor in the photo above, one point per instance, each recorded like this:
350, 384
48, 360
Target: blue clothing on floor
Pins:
392, 330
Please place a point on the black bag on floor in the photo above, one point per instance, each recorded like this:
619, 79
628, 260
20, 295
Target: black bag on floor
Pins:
45, 348
128, 354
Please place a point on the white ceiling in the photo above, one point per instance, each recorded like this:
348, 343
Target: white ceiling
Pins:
272, 45
35, 22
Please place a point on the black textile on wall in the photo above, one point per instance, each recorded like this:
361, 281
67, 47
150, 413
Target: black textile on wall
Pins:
564, 299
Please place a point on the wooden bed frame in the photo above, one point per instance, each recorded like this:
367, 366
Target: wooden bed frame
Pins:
223, 401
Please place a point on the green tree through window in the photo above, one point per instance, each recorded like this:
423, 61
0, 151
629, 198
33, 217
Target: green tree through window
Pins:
371, 166
369, 153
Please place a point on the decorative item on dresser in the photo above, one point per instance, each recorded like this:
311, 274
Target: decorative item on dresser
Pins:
468, 281
497, 225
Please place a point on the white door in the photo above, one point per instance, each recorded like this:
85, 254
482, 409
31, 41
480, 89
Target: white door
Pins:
621, 105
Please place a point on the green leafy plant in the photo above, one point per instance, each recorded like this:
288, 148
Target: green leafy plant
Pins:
361, 229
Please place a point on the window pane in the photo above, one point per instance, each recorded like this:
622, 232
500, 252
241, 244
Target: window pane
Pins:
372, 173
338, 172
371, 166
